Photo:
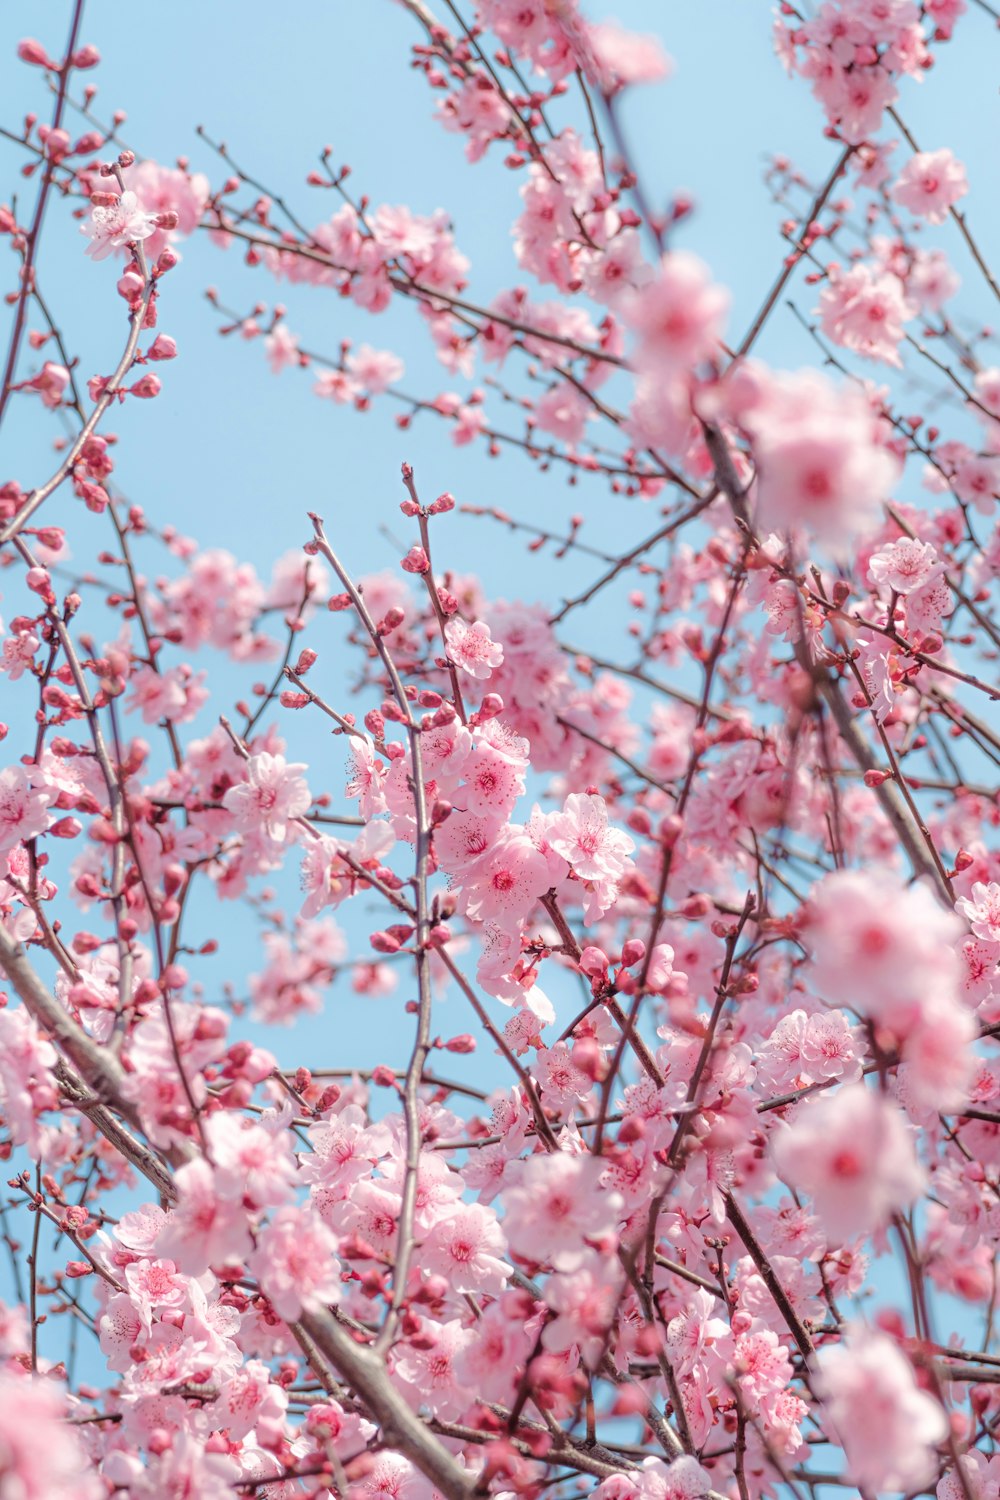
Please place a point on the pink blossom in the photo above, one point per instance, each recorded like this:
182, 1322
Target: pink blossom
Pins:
466, 1247
852, 1153
273, 795
50, 383
865, 311
471, 648
207, 1227
981, 908
41, 1456
281, 347
112, 228
678, 316
820, 466
556, 1206
23, 808
887, 1426
904, 565
374, 370
296, 1263
930, 184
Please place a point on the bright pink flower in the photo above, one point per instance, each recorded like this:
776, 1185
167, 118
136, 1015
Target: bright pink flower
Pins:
887, 1426
50, 383
930, 184
852, 1153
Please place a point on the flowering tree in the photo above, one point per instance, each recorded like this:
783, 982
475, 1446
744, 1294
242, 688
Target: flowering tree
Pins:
724, 917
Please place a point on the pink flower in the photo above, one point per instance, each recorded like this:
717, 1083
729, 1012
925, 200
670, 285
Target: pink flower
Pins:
864, 310
374, 370
122, 224
904, 565
296, 1263
41, 1456
556, 1206
852, 1153
472, 648
930, 183
820, 466
505, 884
585, 1302
466, 1247
281, 347
23, 809
271, 797
887, 1426
583, 836
678, 316
50, 383
207, 1227
982, 910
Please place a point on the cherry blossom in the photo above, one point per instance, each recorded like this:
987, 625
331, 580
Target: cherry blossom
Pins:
930, 184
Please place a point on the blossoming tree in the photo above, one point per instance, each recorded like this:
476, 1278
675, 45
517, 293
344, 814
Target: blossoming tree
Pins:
722, 918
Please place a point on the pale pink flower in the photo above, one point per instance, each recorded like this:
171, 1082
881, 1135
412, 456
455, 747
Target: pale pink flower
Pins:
508, 880
281, 347
904, 565
864, 310
556, 1206
930, 184
585, 1303
23, 808
852, 1152
296, 1263
466, 1247
374, 370
819, 464
429, 1375
207, 1227
982, 910
472, 648
122, 224
271, 797
678, 316
584, 837
41, 1456
886, 1425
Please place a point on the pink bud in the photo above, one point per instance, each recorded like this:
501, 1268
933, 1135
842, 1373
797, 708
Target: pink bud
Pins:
877, 778
33, 52
443, 503
148, 386
87, 57
162, 347
594, 962
633, 952
416, 561
463, 1043
491, 706
39, 581
78, 1268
